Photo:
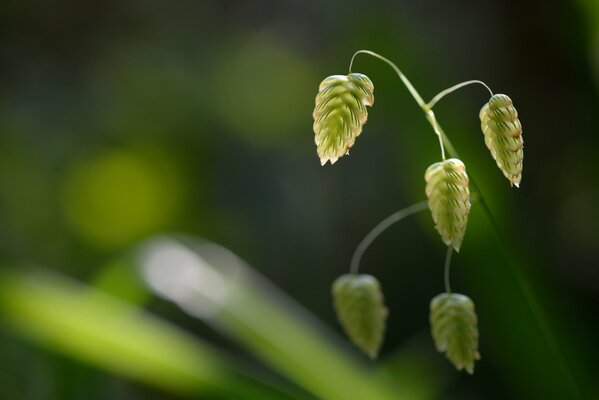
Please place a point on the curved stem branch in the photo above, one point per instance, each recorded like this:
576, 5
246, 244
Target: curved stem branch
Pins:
452, 89
403, 78
430, 116
380, 228
446, 270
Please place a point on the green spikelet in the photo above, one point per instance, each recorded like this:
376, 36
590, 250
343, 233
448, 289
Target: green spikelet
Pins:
449, 199
454, 328
503, 136
340, 113
358, 301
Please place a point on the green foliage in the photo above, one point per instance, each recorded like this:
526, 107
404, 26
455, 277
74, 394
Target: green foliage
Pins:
454, 328
99, 329
449, 199
503, 136
236, 301
360, 308
340, 113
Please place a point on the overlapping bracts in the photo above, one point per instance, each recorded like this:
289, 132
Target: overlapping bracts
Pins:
449, 199
358, 301
455, 330
340, 113
503, 136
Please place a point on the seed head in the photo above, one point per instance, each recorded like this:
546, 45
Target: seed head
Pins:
340, 113
503, 136
449, 199
358, 301
454, 329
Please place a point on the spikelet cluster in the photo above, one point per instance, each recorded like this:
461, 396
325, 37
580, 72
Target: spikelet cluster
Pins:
359, 305
340, 113
454, 329
449, 199
503, 136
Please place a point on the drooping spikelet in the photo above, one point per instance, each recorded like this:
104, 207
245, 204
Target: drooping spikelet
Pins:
359, 305
449, 199
503, 136
454, 329
340, 113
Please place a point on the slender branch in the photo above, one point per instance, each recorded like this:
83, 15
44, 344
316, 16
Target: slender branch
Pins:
404, 79
446, 269
430, 116
452, 89
380, 228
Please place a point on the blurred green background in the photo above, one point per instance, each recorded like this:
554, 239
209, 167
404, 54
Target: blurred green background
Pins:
121, 121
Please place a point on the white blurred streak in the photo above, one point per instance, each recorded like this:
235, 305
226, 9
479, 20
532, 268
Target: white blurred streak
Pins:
179, 274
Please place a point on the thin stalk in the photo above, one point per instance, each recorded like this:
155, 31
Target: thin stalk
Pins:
403, 78
380, 228
452, 89
446, 269
430, 116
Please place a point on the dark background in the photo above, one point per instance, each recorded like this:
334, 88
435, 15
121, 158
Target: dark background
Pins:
123, 119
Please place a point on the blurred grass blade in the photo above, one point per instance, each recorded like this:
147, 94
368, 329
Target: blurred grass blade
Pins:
211, 283
96, 328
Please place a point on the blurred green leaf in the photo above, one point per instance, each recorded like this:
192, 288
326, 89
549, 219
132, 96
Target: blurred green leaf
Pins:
96, 328
211, 283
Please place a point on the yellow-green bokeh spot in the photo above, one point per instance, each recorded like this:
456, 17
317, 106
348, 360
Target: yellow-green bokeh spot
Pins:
260, 89
360, 308
454, 329
503, 136
340, 113
449, 199
120, 196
